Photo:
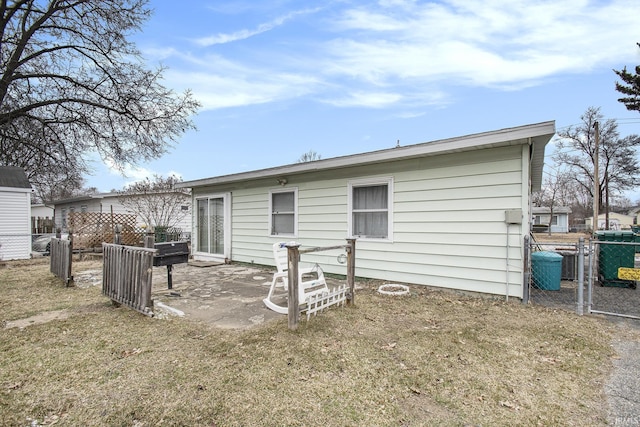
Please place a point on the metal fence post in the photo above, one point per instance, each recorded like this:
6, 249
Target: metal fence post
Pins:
592, 251
527, 272
293, 257
580, 308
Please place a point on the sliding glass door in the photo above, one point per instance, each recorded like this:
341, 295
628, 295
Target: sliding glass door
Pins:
211, 225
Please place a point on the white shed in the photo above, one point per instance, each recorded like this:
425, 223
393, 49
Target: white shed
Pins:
15, 214
451, 213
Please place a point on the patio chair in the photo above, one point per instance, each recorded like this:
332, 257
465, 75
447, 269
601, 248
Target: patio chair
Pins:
307, 285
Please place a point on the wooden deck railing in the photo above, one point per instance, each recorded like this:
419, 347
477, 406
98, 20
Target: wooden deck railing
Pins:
126, 276
60, 255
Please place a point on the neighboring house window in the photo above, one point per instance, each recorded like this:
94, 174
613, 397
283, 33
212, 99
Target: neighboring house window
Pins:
83, 208
283, 209
536, 219
63, 216
554, 220
370, 209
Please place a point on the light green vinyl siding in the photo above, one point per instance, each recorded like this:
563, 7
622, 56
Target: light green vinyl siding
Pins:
448, 220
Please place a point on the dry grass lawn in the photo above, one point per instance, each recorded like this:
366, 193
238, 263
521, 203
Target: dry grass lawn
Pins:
430, 358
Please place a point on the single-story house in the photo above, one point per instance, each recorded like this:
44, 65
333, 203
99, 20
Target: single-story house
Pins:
634, 213
451, 213
15, 214
616, 221
559, 223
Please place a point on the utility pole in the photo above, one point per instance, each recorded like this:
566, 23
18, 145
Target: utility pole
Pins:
596, 178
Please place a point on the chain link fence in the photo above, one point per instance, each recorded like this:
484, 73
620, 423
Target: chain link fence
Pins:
613, 275
597, 276
556, 274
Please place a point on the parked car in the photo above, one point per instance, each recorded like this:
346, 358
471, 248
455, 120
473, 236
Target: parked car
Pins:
42, 244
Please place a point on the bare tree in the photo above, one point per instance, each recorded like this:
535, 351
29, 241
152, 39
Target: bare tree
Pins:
619, 169
309, 156
555, 191
72, 84
158, 202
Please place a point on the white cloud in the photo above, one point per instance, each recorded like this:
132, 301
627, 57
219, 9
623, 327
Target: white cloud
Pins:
489, 43
245, 87
222, 38
406, 53
366, 99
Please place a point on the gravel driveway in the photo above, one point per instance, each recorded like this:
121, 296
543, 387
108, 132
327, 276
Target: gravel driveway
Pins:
623, 387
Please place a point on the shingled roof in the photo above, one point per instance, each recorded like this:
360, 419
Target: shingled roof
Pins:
14, 177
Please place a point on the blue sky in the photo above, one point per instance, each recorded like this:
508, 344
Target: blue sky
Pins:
278, 78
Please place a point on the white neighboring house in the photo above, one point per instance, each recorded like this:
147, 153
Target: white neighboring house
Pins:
616, 221
40, 210
559, 223
15, 214
451, 213
103, 203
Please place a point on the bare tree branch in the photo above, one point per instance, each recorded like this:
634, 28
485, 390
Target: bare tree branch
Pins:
72, 84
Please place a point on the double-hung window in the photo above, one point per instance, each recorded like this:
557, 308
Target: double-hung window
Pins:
370, 209
283, 209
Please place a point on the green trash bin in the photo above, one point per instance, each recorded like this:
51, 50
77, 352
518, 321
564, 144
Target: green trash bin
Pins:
546, 270
612, 257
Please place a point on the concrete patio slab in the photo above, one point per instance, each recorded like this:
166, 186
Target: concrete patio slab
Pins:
227, 296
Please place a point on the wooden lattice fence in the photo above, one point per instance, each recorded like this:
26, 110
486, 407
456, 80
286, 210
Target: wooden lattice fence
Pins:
91, 229
127, 275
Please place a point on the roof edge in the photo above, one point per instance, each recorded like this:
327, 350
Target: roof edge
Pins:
502, 137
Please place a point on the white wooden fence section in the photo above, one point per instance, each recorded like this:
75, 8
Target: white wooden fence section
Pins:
126, 276
319, 302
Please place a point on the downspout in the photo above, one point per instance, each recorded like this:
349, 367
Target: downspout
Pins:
526, 223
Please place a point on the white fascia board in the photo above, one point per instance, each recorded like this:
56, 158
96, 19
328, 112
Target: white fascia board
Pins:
505, 137
15, 190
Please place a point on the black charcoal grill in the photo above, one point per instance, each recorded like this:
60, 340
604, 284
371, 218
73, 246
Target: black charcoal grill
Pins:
170, 253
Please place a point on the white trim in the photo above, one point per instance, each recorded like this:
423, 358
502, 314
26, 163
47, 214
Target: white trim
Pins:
388, 181
16, 189
206, 256
293, 190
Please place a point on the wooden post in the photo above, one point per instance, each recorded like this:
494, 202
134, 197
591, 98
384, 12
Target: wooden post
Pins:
351, 270
149, 240
293, 256
69, 280
117, 235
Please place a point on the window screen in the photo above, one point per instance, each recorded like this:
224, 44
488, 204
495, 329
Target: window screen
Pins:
283, 213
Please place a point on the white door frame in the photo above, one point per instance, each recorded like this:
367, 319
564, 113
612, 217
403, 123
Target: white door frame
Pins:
206, 256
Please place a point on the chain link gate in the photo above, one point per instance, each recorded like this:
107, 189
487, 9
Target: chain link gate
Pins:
555, 274
612, 275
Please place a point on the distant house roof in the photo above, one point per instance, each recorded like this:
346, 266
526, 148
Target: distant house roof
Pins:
83, 198
14, 177
545, 210
536, 135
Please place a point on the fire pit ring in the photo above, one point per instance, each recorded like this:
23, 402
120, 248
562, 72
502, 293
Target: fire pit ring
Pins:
394, 289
